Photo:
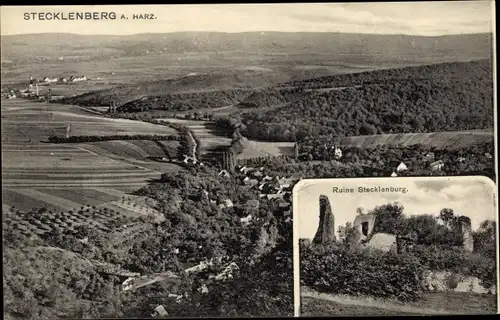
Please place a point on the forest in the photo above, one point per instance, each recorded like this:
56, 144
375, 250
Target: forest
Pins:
185, 101
412, 106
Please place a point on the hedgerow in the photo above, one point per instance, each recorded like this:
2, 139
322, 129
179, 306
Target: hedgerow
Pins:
365, 272
80, 139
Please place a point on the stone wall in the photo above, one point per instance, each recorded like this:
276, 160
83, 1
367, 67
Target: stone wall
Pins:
440, 281
364, 218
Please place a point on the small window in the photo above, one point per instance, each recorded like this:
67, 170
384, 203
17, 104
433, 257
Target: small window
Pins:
364, 229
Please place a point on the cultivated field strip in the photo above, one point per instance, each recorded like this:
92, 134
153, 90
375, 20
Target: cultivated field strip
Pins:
441, 140
255, 149
49, 199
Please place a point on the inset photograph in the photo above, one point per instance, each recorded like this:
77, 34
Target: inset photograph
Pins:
395, 246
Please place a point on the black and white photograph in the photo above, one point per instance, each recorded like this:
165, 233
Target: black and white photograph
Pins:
389, 247
150, 152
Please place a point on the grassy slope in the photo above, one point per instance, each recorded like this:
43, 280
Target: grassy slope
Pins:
315, 304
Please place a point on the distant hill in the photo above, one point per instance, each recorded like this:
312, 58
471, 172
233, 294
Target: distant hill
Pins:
162, 89
384, 47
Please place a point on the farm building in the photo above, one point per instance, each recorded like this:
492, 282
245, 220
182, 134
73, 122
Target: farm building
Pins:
77, 78
50, 80
394, 174
437, 165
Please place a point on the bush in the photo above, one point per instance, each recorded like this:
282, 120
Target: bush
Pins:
366, 272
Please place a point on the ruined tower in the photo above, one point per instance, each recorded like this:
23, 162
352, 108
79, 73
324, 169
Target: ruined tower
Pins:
466, 229
364, 223
326, 227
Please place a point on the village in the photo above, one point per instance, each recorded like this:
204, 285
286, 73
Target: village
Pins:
32, 90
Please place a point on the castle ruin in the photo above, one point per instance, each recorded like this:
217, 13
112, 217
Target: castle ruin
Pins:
326, 227
364, 224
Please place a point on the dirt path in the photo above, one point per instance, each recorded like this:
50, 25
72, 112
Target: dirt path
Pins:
371, 302
195, 144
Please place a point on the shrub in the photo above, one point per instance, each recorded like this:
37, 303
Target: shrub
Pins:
339, 270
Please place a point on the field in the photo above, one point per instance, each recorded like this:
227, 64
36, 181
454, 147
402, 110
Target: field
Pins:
204, 132
439, 140
63, 177
432, 303
255, 149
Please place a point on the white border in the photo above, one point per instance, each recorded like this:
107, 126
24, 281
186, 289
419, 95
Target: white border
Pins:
337, 181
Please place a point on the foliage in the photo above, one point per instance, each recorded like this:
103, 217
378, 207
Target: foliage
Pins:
343, 271
384, 101
80, 139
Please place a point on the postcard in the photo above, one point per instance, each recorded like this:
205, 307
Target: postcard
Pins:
395, 246
150, 152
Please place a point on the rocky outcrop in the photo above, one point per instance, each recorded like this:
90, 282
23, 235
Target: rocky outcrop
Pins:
326, 227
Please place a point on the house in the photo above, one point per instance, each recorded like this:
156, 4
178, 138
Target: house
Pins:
177, 297
246, 220
78, 78
246, 169
274, 196
401, 167
394, 174
160, 312
250, 182
63, 80
262, 186
227, 273
228, 203
267, 178
429, 156
461, 159
488, 155
225, 174
49, 80
203, 289
437, 165
257, 174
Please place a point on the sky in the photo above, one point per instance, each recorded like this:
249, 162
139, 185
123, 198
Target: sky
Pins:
413, 18
470, 196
